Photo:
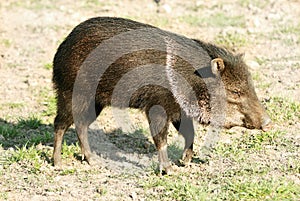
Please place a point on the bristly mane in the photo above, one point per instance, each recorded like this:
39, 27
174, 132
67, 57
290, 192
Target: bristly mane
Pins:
219, 52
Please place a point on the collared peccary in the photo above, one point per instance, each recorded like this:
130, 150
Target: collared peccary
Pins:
113, 61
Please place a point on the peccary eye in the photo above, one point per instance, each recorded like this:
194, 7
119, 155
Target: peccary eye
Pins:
236, 92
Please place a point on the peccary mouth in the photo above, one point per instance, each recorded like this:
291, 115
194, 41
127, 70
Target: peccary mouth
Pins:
267, 125
230, 125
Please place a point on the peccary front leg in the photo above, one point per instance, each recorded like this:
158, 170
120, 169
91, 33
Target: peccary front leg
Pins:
159, 129
185, 127
82, 123
160, 141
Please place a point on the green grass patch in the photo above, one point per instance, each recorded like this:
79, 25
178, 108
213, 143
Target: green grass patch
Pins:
283, 110
256, 76
248, 142
3, 195
160, 21
8, 131
264, 85
288, 30
33, 4
261, 61
47, 98
215, 20
296, 66
32, 157
191, 20
288, 34
28, 131
43, 137
256, 3
70, 151
88, 4
260, 140
172, 188
219, 187
48, 66
236, 171
155, 20
248, 188
6, 43
222, 20
95, 2
68, 171
231, 40
13, 105
31, 122
175, 151
51, 106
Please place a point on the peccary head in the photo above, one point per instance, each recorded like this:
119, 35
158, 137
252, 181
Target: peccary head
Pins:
243, 106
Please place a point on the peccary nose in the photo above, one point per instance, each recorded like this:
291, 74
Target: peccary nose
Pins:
267, 124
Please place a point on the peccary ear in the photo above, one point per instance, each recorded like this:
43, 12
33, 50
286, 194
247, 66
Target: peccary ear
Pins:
217, 65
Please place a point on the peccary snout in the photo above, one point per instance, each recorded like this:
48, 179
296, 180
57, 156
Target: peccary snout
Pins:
266, 124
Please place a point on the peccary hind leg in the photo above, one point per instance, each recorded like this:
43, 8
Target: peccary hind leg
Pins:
160, 141
62, 122
60, 128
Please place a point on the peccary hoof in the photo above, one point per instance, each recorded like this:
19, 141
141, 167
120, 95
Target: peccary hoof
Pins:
186, 157
166, 171
93, 160
57, 163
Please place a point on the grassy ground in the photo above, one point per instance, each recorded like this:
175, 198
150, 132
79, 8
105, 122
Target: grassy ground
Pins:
245, 165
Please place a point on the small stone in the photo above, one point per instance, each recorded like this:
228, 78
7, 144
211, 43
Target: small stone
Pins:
256, 22
253, 65
147, 145
133, 196
167, 8
101, 190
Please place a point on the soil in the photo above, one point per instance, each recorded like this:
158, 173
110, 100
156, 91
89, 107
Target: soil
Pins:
31, 31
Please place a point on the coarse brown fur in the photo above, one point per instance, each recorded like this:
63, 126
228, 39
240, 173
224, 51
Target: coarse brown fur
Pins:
87, 36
